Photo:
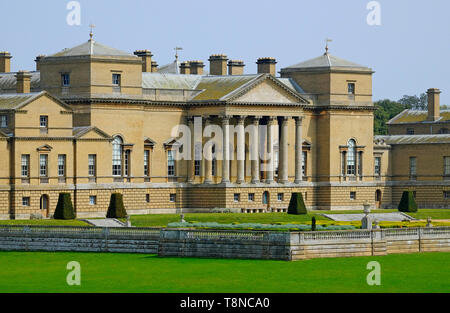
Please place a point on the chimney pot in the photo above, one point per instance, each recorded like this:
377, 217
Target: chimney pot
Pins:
154, 66
146, 57
218, 64
196, 67
38, 59
23, 84
236, 67
267, 66
185, 68
5, 62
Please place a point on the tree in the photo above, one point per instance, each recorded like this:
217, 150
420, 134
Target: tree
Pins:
297, 205
116, 208
386, 110
407, 203
64, 209
415, 102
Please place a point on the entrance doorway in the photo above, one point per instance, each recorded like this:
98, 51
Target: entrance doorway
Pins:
45, 206
378, 199
266, 198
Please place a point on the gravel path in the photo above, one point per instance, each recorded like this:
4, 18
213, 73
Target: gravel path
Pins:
107, 222
385, 217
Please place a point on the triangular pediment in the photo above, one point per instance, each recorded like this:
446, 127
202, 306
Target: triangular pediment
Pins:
266, 90
90, 133
44, 148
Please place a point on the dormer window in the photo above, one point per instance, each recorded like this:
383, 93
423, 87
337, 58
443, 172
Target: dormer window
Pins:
351, 88
65, 80
3, 121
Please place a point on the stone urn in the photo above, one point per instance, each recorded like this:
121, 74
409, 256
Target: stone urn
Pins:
366, 222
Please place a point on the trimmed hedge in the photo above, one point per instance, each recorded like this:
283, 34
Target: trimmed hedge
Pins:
116, 208
408, 203
64, 209
297, 205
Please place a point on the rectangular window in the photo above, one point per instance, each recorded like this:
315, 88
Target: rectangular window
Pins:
377, 169
116, 80
65, 80
304, 160
3, 121
26, 201
147, 198
351, 168
25, 165
281, 197
171, 163
173, 197
43, 121
61, 165
447, 166
251, 197
237, 197
197, 165
276, 161
146, 163
447, 195
352, 195
351, 88
127, 163
43, 165
412, 168
92, 164
410, 131
92, 200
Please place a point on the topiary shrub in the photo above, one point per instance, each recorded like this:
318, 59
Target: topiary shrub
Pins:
64, 208
313, 224
408, 203
297, 205
116, 208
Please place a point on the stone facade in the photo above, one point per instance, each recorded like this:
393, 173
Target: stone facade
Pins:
94, 120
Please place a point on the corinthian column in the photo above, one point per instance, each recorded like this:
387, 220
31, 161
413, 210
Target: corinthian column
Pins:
283, 170
226, 149
254, 150
270, 153
298, 150
192, 152
208, 158
240, 150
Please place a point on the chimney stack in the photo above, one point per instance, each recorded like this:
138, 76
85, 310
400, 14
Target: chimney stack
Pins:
146, 57
218, 64
5, 62
23, 82
266, 66
185, 68
154, 66
236, 67
38, 60
434, 106
197, 67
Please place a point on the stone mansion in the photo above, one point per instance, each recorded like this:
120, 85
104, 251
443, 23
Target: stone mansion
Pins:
93, 120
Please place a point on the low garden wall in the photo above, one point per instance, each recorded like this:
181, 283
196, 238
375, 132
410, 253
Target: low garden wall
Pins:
226, 243
79, 239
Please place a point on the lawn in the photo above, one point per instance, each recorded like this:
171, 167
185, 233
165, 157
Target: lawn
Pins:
46, 272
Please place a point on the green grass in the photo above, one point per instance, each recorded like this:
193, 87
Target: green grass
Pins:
45, 222
46, 272
266, 218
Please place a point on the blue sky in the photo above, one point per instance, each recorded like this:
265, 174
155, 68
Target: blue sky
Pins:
409, 50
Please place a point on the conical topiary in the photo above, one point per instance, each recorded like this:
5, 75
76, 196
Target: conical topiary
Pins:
408, 203
116, 208
297, 205
313, 224
64, 208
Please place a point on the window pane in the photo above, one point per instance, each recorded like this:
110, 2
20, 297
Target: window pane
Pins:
117, 157
351, 158
43, 163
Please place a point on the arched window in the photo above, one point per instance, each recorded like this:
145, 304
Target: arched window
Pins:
117, 156
351, 157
